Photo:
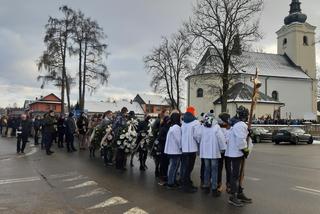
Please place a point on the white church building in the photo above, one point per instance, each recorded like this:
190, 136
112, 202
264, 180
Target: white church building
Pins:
289, 84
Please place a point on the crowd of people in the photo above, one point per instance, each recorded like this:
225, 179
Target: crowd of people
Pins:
173, 140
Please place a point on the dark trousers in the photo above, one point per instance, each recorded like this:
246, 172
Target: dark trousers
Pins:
70, 142
36, 136
223, 161
21, 143
187, 164
157, 159
164, 165
143, 155
120, 159
47, 139
60, 139
234, 171
107, 155
202, 169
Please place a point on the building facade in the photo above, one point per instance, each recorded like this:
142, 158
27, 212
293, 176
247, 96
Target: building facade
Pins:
288, 77
45, 104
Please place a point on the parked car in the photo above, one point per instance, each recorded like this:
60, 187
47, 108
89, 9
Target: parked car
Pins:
292, 135
260, 134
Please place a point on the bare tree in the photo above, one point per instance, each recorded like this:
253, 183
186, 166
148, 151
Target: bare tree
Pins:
168, 64
222, 25
91, 50
53, 60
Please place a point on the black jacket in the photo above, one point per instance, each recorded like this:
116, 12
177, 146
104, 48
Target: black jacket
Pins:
24, 129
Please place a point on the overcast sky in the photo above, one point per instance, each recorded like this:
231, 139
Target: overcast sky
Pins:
133, 28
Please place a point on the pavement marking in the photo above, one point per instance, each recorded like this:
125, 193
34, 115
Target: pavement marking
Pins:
63, 175
99, 191
19, 180
74, 178
316, 142
252, 178
306, 190
110, 202
33, 151
84, 184
135, 210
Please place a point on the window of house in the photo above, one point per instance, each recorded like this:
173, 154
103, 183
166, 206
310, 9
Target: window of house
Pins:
200, 92
305, 40
285, 41
275, 95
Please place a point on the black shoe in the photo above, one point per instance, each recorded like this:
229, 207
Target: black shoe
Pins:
171, 186
233, 200
244, 199
206, 189
216, 193
48, 153
142, 168
190, 190
51, 152
74, 150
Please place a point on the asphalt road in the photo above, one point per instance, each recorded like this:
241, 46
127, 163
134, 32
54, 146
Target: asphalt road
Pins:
280, 179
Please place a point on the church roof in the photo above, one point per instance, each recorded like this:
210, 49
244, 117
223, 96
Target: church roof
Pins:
274, 65
241, 92
153, 99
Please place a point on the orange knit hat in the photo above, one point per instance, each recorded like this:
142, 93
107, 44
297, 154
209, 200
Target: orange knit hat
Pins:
191, 110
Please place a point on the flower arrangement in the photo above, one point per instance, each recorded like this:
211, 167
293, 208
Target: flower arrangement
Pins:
127, 136
147, 138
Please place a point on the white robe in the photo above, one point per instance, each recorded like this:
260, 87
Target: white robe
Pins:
189, 144
237, 140
173, 141
212, 141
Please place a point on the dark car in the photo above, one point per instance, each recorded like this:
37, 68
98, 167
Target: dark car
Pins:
260, 134
292, 135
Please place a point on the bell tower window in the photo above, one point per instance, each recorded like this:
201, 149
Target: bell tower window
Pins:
275, 95
305, 41
285, 41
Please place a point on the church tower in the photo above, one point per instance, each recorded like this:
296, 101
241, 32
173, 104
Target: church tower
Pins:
296, 39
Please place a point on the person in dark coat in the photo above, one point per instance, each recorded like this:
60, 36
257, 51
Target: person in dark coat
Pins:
61, 130
36, 127
23, 132
119, 123
71, 129
164, 159
82, 125
48, 127
142, 131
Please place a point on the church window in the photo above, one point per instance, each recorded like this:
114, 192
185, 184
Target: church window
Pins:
285, 41
305, 41
200, 92
275, 95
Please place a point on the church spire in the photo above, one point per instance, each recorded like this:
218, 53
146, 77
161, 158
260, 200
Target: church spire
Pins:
295, 14
295, 7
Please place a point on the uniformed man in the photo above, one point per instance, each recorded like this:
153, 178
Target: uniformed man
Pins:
48, 130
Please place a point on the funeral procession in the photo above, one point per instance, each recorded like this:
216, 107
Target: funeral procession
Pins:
160, 107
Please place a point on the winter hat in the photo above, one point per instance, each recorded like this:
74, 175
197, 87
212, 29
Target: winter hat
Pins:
242, 112
224, 118
209, 119
191, 110
175, 119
